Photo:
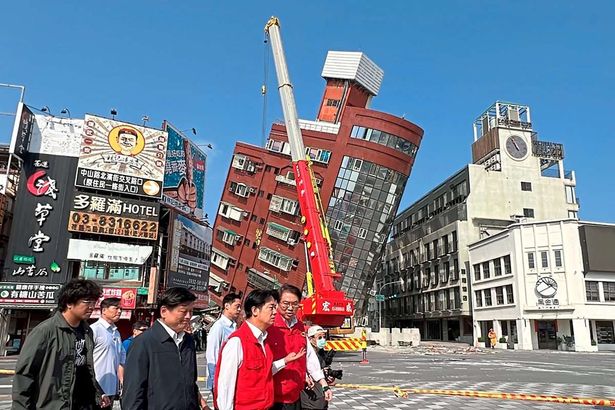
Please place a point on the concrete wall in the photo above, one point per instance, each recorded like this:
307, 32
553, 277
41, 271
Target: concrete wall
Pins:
392, 337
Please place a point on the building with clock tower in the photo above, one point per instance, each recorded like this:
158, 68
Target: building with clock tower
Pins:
515, 177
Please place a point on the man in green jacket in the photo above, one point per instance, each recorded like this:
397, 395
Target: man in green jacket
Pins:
55, 369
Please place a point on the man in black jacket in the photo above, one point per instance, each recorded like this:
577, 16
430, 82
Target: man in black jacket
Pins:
160, 372
55, 369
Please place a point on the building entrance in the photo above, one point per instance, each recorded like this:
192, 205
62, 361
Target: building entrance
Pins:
547, 334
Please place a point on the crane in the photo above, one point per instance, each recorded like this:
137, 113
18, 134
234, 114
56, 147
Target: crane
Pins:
324, 304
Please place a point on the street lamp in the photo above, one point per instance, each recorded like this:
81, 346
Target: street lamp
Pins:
399, 282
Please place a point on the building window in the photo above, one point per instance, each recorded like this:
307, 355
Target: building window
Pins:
318, 155
570, 196
240, 189
476, 272
507, 265
332, 103
239, 161
510, 297
592, 291
488, 297
486, 273
544, 259
528, 212
281, 204
445, 244
558, 258
609, 291
274, 258
454, 241
362, 233
110, 271
526, 186
604, 332
497, 267
499, 295
573, 214
456, 270
446, 272
479, 298
531, 262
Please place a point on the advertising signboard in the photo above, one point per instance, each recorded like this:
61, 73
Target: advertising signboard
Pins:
35, 294
121, 157
54, 135
82, 250
38, 243
127, 296
184, 174
190, 254
22, 130
106, 215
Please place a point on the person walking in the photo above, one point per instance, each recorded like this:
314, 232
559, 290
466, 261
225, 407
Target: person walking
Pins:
161, 370
55, 369
313, 396
286, 335
244, 373
220, 332
138, 328
493, 339
109, 354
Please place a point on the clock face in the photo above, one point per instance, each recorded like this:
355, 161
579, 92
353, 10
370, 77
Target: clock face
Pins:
516, 147
546, 287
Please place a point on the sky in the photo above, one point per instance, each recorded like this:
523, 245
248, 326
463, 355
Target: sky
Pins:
201, 64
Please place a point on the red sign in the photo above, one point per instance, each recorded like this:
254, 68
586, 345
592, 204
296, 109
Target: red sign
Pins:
128, 297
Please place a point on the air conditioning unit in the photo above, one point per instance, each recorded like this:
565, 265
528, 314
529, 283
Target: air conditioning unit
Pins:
252, 189
291, 242
251, 168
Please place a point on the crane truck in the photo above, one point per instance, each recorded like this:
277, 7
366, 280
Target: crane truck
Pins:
324, 304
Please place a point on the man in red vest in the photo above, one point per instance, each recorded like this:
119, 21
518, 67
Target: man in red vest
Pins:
244, 371
288, 335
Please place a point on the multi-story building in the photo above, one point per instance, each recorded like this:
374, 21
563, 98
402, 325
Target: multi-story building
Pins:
546, 285
514, 176
361, 158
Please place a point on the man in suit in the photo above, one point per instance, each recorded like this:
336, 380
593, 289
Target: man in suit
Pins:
161, 371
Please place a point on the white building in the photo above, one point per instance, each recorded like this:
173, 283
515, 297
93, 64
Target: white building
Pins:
514, 176
542, 284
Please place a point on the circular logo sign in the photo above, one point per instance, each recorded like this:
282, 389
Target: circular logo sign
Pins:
151, 188
126, 140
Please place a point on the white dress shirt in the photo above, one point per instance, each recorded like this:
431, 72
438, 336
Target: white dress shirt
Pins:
233, 358
218, 334
177, 337
109, 354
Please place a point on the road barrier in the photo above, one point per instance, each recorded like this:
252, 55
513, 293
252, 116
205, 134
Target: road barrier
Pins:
486, 395
349, 344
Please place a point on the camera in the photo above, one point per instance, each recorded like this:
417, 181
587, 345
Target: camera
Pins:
331, 374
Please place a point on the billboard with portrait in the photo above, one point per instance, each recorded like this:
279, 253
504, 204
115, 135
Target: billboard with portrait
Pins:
122, 158
184, 174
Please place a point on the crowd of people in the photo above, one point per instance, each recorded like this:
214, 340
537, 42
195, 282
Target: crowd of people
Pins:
268, 362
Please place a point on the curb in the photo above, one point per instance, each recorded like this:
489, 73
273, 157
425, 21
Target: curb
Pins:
487, 395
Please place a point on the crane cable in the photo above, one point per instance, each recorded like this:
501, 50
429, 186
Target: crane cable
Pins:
266, 58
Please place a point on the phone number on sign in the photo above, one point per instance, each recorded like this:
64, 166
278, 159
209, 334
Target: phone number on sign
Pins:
111, 225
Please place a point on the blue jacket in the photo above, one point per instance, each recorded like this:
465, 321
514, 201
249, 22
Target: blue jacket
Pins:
158, 375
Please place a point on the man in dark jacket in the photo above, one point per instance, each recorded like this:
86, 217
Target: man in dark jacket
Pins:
55, 369
160, 372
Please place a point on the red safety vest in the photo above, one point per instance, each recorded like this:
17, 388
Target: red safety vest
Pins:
288, 382
254, 388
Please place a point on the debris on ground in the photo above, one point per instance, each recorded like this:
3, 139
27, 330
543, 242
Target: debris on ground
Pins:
435, 349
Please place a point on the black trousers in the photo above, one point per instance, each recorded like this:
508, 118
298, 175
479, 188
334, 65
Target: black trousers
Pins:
287, 406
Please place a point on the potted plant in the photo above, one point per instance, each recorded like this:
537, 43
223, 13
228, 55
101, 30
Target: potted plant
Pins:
502, 343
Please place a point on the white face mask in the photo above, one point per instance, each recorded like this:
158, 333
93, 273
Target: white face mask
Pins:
320, 343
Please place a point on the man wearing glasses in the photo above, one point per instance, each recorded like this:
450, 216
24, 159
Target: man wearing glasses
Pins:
138, 328
109, 354
288, 335
55, 369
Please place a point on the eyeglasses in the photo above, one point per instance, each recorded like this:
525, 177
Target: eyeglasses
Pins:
286, 305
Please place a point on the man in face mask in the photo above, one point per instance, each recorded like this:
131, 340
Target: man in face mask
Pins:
313, 397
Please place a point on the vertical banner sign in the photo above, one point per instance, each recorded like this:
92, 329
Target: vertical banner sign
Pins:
184, 174
22, 131
122, 158
38, 244
190, 254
